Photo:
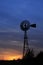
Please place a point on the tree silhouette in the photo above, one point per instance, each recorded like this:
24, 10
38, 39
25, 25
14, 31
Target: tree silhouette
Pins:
29, 54
39, 57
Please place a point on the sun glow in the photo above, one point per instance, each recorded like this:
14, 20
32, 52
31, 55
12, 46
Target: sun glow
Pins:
12, 57
10, 54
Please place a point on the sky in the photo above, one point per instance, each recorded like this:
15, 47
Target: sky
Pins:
12, 13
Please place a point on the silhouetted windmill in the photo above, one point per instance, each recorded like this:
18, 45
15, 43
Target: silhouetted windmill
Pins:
25, 25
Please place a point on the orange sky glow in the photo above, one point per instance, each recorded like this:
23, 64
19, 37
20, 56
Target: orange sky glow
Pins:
10, 55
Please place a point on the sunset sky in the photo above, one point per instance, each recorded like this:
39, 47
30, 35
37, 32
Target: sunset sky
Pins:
12, 13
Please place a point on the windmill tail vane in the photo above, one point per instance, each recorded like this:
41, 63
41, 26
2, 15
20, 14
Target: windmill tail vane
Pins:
33, 25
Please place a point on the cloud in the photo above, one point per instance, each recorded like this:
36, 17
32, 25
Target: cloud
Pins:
11, 40
10, 45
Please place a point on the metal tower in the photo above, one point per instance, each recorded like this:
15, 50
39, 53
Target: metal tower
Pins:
25, 25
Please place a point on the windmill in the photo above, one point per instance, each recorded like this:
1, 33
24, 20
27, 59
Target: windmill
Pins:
25, 26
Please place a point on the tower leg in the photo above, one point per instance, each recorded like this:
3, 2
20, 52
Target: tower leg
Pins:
24, 49
25, 46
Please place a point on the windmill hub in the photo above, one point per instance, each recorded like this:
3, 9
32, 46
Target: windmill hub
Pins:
25, 25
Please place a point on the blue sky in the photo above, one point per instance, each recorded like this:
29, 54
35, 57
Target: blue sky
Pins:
12, 13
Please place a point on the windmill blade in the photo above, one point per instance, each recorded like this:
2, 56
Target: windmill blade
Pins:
33, 25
